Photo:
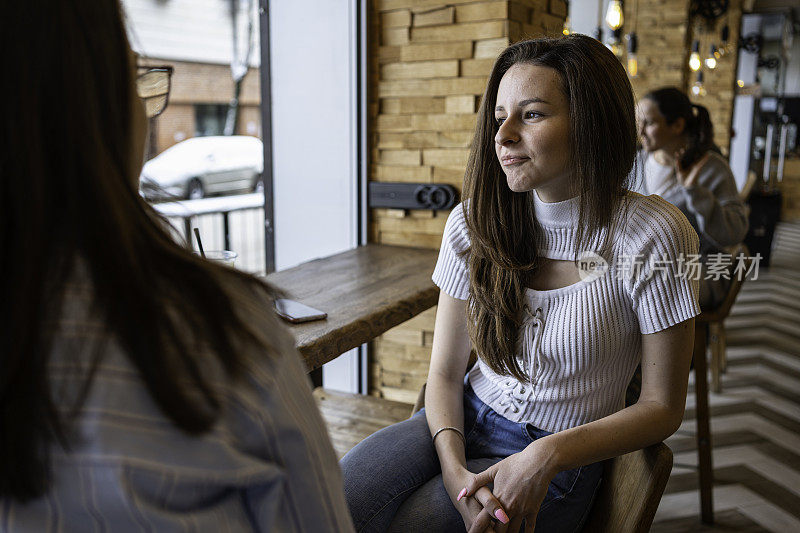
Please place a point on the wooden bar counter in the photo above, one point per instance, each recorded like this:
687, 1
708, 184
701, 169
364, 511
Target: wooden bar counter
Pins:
365, 291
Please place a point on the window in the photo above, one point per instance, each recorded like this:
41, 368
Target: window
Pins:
209, 119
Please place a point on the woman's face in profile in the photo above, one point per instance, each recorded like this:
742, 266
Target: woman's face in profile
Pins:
532, 143
654, 131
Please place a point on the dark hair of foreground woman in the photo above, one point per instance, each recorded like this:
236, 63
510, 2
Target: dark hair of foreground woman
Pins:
69, 201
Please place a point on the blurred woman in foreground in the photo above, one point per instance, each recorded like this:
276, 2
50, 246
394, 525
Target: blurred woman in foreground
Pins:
141, 387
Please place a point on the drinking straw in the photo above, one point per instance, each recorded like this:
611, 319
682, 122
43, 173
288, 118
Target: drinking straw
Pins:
199, 242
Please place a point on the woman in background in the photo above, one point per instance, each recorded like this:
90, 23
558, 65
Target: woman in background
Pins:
142, 388
683, 166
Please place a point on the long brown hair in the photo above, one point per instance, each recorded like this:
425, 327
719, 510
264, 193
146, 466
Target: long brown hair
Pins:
68, 197
502, 225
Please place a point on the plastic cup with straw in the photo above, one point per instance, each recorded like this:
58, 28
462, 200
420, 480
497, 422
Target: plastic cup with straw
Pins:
226, 257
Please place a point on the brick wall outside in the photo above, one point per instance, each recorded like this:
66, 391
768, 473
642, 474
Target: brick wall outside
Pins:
198, 83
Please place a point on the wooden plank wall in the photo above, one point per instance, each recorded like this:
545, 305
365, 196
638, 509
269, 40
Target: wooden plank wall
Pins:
432, 62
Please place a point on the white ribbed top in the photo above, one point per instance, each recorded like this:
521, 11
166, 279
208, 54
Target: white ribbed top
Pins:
584, 341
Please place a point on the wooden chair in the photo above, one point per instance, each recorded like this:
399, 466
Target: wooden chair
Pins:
626, 502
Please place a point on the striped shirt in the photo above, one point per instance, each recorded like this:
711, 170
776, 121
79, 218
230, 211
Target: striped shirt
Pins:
267, 464
580, 344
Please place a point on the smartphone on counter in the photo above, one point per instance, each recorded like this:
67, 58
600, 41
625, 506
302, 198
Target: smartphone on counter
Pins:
295, 312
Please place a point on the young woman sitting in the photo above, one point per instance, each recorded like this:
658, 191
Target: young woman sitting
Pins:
562, 281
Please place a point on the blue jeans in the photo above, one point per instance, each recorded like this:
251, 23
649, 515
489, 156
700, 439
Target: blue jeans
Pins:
393, 480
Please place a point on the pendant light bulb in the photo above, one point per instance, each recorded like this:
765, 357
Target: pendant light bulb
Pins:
711, 60
614, 16
633, 61
633, 66
723, 45
566, 30
699, 88
694, 58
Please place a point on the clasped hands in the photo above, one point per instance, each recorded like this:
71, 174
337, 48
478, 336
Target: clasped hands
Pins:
519, 484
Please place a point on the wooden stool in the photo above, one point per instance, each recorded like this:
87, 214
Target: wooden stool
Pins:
629, 493
715, 321
710, 330
703, 434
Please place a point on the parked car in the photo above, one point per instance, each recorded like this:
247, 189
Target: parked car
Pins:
204, 166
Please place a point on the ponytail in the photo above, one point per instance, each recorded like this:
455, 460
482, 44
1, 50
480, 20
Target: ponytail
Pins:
701, 135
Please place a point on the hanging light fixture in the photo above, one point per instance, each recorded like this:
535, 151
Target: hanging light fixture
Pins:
699, 88
566, 30
633, 43
725, 34
694, 58
616, 43
598, 31
711, 60
614, 16
633, 62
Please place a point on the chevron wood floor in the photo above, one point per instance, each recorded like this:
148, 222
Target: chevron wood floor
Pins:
755, 420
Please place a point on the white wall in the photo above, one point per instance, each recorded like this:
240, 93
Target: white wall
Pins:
313, 58
744, 106
187, 30
312, 128
583, 17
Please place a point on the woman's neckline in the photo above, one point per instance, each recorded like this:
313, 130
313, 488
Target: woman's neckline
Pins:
556, 214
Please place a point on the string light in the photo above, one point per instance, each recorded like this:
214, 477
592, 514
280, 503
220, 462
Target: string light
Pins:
566, 30
633, 62
711, 60
616, 43
614, 16
724, 36
698, 88
694, 58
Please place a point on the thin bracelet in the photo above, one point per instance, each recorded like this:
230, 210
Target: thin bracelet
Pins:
460, 433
